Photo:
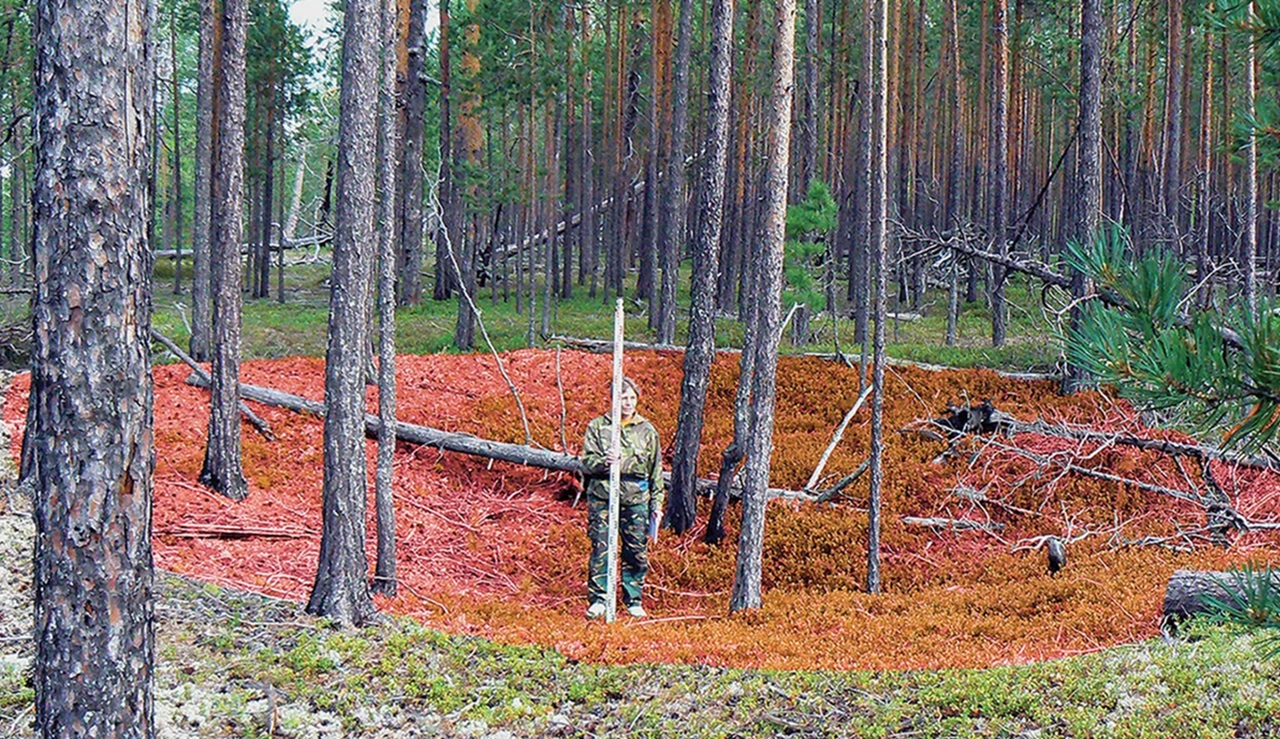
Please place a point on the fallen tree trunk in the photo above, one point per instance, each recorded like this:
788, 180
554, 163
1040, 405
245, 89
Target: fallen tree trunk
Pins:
953, 524
1194, 592
467, 443
261, 425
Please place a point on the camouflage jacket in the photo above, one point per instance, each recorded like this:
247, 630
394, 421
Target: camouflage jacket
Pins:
641, 461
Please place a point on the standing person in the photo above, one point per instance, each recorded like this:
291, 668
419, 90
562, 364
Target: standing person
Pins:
639, 500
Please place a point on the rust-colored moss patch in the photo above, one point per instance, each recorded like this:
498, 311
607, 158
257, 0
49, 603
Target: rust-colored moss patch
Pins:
498, 550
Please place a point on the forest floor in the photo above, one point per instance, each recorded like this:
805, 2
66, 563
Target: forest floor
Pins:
502, 561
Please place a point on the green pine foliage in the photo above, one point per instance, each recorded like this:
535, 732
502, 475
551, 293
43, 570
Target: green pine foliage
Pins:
809, 223
1221, 368
1257, 606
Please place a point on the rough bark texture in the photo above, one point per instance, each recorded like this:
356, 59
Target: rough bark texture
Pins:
1190, 592
681, 502
341, 589
879, 248
746, 581
384, 579
414, 99
1250, 184
201, 320
999, 167
91, 393
222, 464
1089, 173
672, 228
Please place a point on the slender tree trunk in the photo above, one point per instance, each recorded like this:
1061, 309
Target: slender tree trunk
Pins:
880, 249
90, 412
953, 169
1250, 176
1171, 155
341, 589
673, 206
414, 93
1205, 211
1000, 168
223, 470
175, 206
445, 279
201, 280
747, 578
1089, 173
268, 191
809, 116
384, 578
682, 498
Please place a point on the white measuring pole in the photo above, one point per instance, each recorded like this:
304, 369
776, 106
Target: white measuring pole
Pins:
615, 468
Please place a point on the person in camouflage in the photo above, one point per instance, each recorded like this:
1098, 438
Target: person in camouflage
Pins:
639, 501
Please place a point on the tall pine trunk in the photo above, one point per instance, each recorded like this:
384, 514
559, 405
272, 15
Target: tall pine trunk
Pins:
672, 224
1089, 172
201, 280
223, 470
1000, 168
879, 249
682, 499
409, 191
747, 578
341, 590
90, 412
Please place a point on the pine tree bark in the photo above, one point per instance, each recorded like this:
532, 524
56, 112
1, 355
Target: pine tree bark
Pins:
384, 578
1089, 172
223, 469
1172, 155
809, 114
341, 590
201, 280
681, 499
952, 217
175, 203
90, 412
414, 99
879, 249
672, 223
747, 578
1249, 216
999, 167
448, 228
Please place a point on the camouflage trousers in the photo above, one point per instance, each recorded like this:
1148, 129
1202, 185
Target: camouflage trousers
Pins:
633, 531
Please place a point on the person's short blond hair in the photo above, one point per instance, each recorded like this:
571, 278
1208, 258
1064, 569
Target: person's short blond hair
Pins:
627, 382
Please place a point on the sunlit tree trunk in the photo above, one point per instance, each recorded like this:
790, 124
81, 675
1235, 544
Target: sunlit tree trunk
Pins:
90, 411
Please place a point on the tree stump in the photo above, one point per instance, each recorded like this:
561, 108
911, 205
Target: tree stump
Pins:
800, 332
1191, 592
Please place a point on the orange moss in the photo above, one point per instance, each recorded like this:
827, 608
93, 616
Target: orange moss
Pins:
498, 551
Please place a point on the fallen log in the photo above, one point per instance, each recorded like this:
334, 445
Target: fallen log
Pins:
261, 425
1197, 592
469, 444
953, 524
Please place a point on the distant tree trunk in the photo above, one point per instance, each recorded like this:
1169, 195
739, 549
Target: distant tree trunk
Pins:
223, 470
1250, 176
1089, 173
465, 243
879, 247
384, 578
957, 162
859, 274
747, 578
682, 498
445, 279
175, 203
809, 116
201, 280
341, 589
90, 412
414, 93
1172, 154
1000, 167
268, 190
673, 186
1205, 194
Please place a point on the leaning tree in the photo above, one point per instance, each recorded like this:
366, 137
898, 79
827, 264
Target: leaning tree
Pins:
91, 390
